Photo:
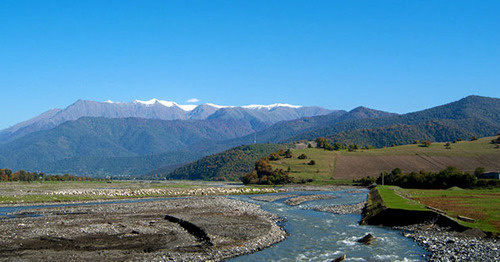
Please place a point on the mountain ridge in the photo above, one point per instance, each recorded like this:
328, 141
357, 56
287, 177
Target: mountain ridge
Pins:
260, 115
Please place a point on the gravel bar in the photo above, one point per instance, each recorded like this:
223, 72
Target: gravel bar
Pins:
271, 198
446, 245
164, 230
301, 199
342, 209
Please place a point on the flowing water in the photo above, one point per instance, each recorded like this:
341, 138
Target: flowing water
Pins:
314, 236
320, 236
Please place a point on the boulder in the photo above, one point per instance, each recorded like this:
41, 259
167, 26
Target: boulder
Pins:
368, 239
341, 258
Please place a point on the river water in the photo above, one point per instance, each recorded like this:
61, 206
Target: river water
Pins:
320, 236
314, 236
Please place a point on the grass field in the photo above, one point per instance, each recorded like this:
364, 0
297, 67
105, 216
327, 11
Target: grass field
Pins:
322, 171
393, 200
483, 205
344, 165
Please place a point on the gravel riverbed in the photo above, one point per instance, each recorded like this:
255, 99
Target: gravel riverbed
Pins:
295, 201
342, 209
446, 245
199, 229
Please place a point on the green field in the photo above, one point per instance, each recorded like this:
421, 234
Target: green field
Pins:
345, 166
322, 171
394, 200
481, 146
483, 205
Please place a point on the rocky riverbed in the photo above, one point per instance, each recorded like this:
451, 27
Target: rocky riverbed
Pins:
271, 198
190, 229
170, 192
342, 209
446, 245
294, 201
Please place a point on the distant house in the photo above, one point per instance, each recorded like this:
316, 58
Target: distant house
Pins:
491, 175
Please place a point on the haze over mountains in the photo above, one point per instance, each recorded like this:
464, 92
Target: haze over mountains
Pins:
129, 139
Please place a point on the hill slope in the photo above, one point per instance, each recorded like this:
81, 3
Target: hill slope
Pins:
465, 155
228, 165
106, 138
473, 115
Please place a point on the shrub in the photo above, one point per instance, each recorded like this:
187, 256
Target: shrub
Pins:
312, 163
302, 156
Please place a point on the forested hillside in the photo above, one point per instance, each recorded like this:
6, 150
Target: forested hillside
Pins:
228, 165
473, 115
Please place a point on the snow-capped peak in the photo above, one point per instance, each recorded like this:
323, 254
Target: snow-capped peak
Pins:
165, 103
154, 101
187, 107
269, 107
216, 106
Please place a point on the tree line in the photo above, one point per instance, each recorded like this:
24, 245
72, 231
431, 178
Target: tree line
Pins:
7, 175
446, 178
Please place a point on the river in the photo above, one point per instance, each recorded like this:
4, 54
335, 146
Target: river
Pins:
320, 236
313, 235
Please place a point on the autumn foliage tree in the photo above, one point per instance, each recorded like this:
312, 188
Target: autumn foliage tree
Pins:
264, 174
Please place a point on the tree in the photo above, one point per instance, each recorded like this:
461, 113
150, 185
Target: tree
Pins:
288, 153
274, 156
312, 163
321, 141
479, 172
302, 156
426, 143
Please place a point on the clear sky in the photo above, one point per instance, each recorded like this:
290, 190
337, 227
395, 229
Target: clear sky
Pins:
398, 56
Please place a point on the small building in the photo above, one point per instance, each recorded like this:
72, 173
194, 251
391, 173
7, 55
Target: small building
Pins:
491, 175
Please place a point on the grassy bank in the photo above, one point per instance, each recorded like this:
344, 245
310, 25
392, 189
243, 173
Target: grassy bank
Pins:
483, 205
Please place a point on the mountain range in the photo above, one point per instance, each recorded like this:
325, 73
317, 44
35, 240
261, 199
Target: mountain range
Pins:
156, 137
260, 116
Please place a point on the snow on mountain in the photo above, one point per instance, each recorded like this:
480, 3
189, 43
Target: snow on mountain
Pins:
159, 109
269, 107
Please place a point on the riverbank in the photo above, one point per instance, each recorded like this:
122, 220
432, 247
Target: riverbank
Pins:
438, 233
446, 245
197, 228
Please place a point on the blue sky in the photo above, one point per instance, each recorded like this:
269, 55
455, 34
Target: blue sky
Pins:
398, 56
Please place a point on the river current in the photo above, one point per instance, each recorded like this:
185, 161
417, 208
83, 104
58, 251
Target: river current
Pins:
320, 236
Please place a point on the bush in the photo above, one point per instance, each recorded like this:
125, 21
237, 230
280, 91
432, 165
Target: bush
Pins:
365, 181
312, 163
302, 156
446, 178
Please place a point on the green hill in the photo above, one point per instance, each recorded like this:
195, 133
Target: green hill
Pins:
465, 155
228, 165
473, 115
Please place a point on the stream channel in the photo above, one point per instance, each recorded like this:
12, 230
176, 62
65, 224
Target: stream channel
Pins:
314, 236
